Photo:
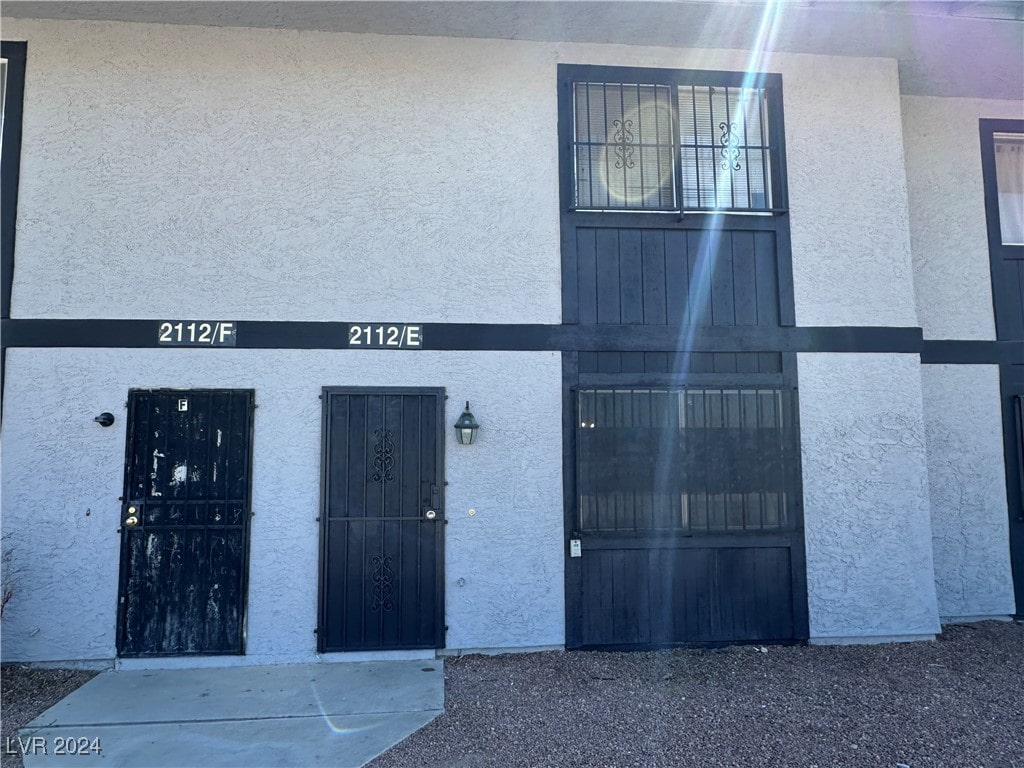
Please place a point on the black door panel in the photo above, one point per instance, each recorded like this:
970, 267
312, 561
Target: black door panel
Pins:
185, 522
382, 520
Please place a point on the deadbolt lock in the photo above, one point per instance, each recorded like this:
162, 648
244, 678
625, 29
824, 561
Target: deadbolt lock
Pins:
430, 514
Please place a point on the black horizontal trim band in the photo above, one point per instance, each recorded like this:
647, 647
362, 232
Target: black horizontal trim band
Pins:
259, 334
973, 352
262, 334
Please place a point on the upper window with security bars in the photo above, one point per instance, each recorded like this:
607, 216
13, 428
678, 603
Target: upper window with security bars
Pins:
674, 146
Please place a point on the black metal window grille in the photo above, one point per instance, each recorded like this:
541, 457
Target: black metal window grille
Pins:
671, 147
685, 460
624, 146
724, 147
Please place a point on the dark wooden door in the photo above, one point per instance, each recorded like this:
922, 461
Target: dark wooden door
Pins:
382, 522
185, 522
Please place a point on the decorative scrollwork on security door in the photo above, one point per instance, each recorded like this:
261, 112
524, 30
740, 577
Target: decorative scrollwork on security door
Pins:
623, 140
383, 456
381, 589
730, 147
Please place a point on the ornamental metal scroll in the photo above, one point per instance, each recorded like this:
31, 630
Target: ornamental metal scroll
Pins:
381, 588
730, 147
623, 141
383, 456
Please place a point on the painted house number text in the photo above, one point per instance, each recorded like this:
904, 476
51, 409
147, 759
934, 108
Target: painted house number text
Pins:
391, 336
187, 333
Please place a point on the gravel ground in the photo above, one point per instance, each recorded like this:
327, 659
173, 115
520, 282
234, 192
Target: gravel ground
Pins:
955, 702
26, 693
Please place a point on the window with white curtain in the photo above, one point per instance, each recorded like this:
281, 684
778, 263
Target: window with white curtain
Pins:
1010, 186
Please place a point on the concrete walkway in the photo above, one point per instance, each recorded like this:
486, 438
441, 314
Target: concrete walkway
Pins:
339, 714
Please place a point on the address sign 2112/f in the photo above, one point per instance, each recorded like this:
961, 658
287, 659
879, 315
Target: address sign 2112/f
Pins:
191, 333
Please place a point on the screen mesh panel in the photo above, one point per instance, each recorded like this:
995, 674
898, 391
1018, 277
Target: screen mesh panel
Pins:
686, 460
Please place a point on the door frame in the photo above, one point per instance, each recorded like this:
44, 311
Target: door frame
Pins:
1011, 383
440, 628
794, 538
122, 579
710, 337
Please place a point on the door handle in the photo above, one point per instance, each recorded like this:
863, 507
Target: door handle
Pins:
133, 519
430, 514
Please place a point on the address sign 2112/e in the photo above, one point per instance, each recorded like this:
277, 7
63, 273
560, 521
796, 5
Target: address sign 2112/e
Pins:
385, 336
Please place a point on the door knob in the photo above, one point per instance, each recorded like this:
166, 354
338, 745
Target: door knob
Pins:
131, 520
430, 514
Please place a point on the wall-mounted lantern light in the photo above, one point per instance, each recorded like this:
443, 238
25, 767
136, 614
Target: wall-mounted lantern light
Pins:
466, 427
105, 419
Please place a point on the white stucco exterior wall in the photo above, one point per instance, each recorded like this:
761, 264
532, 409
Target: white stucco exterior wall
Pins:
268, 174
848, 195
866, 516
949, 241
967, 489
953, 284
175, 171
62, 476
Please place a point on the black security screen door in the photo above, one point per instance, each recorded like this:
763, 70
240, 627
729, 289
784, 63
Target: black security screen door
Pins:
687, 512
382, 523
185, 522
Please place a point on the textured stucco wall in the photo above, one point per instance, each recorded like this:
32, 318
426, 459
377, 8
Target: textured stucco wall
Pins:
848, 195
260, 174
948, 237
62, 475
964, 435
868, 531
174, 171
